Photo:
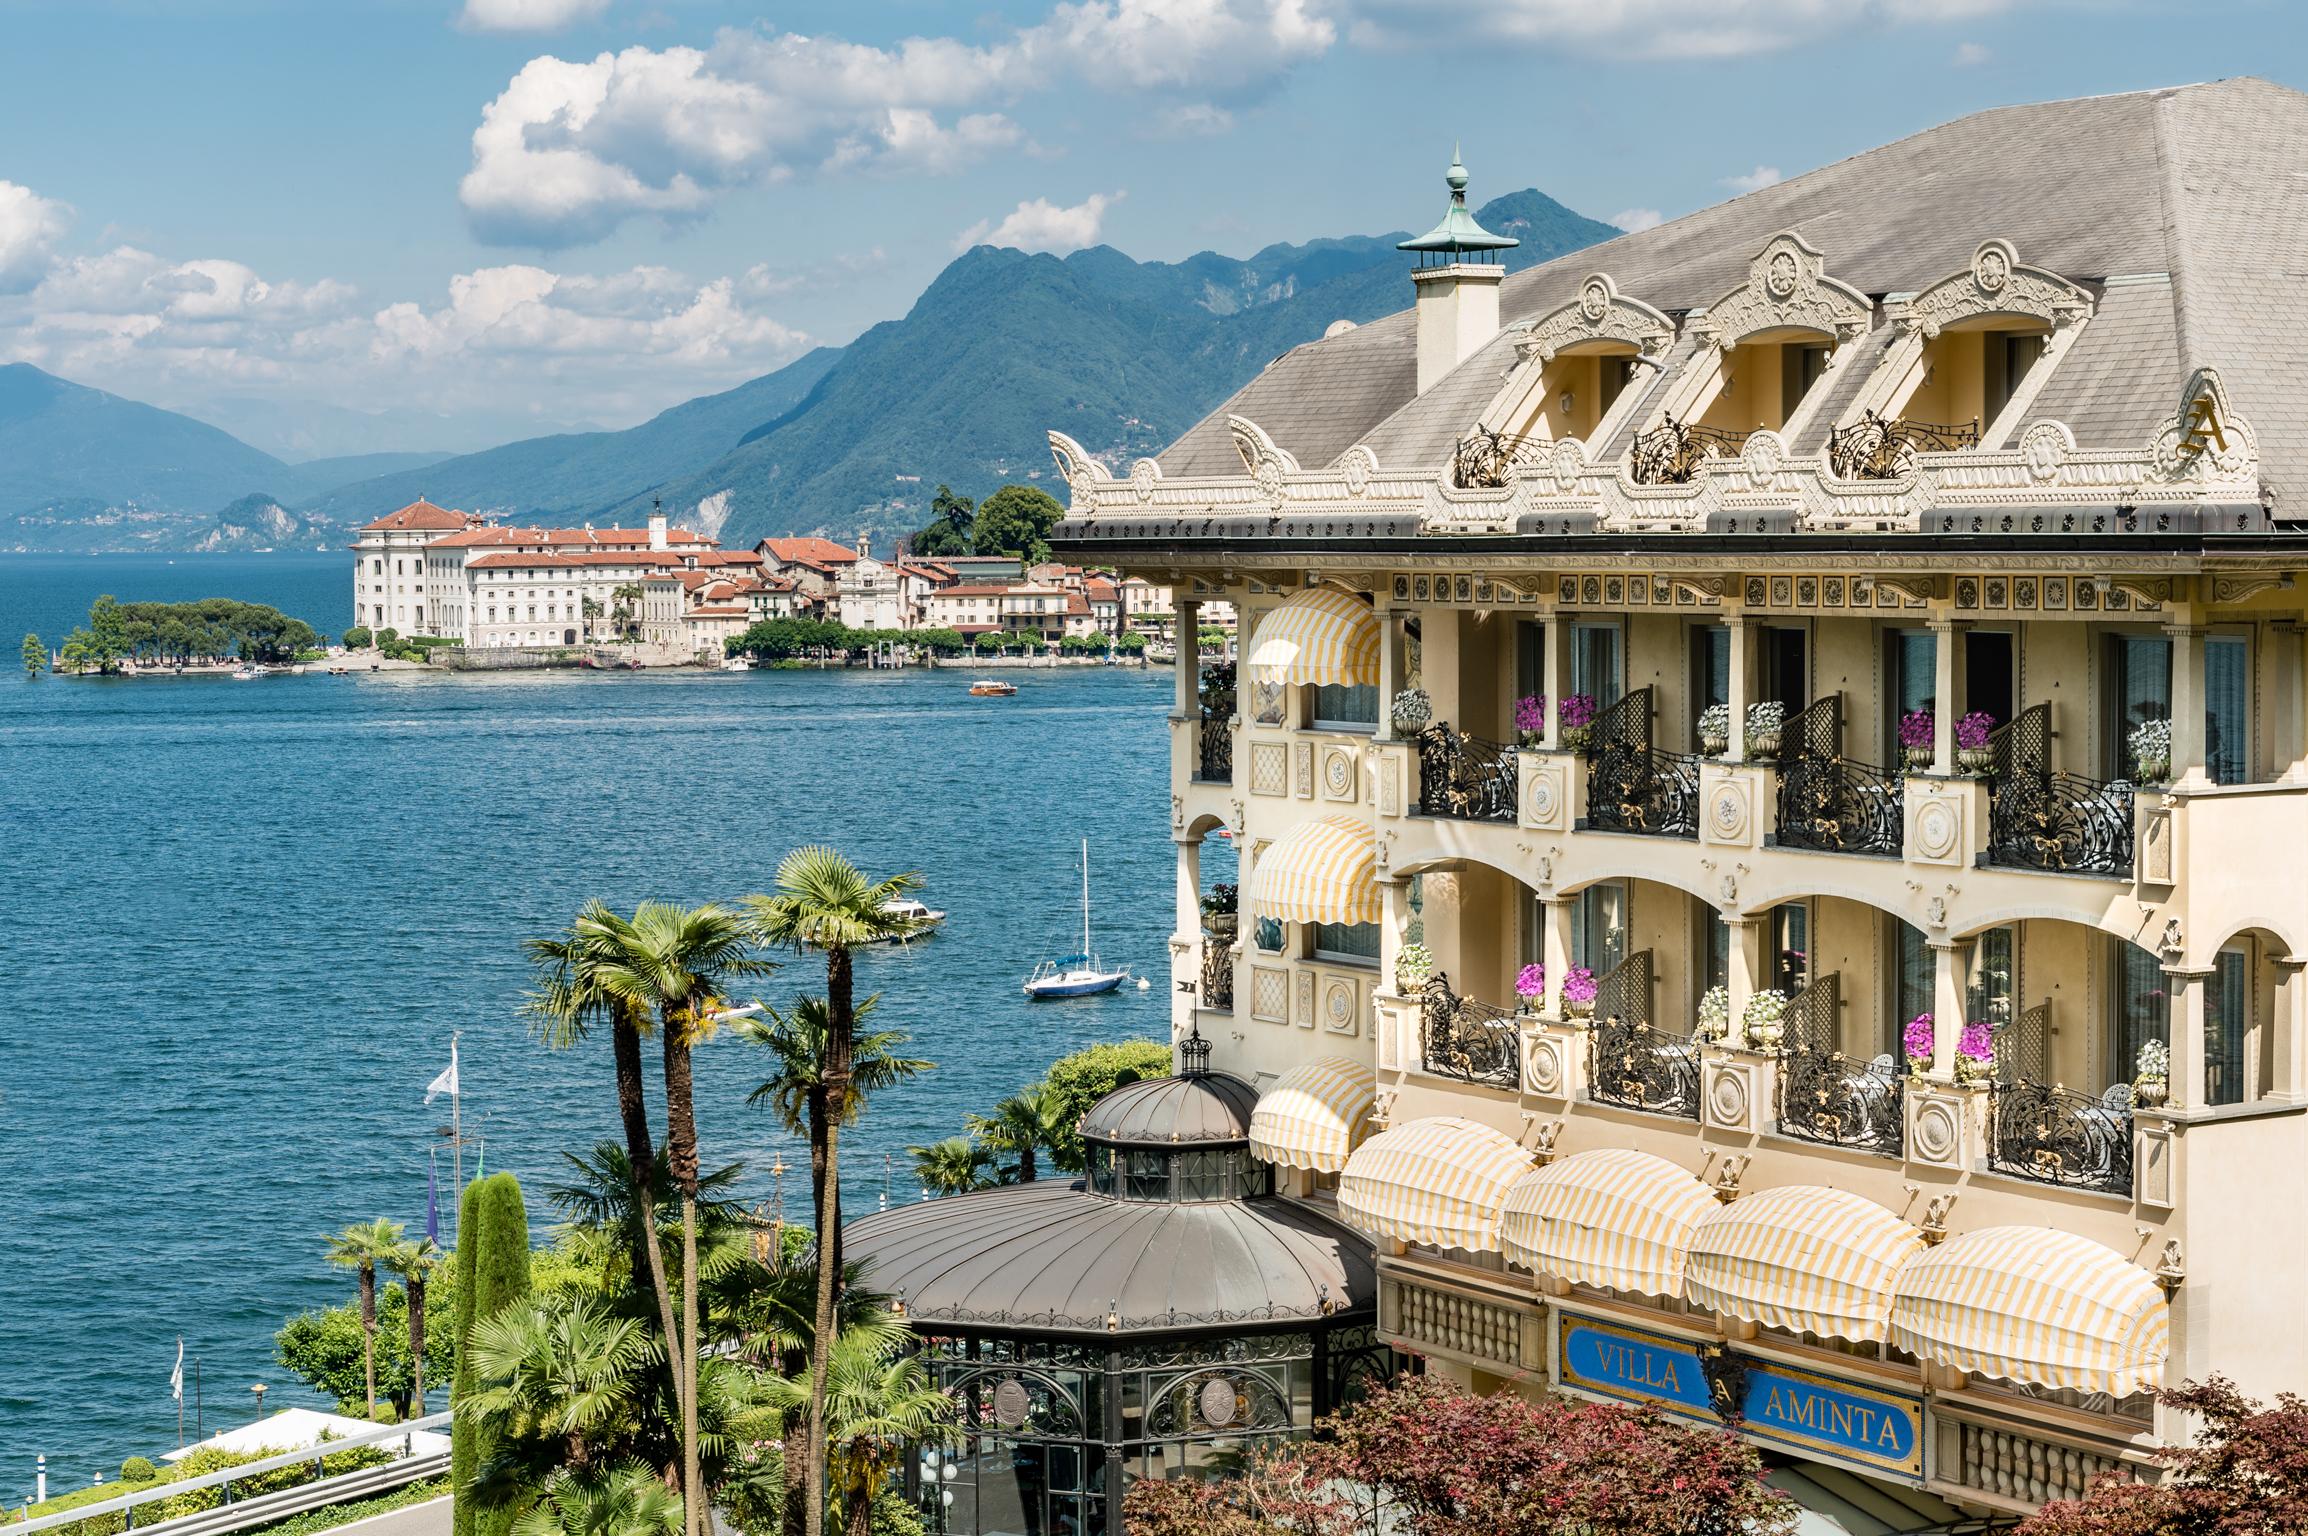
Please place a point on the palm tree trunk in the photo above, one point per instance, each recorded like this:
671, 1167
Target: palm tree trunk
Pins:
681, 1162
369, 1333
841, 1027
1026, 1168
640, 1158
417, 1339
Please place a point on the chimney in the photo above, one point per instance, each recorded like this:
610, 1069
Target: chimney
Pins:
1459, 268
657, 538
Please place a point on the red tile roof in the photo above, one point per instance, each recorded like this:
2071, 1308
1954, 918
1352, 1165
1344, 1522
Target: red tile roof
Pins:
807, 551
970, 591
634, 539
418, 514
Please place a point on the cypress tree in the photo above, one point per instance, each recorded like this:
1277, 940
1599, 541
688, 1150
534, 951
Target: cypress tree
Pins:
500, 1277
462, 1431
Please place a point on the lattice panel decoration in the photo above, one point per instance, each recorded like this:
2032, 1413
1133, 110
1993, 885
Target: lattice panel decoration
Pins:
1270, 994
1270, 768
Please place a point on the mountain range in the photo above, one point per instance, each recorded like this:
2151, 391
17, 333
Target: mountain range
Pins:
1122, 355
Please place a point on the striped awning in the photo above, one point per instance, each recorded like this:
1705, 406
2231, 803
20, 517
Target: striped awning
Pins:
1320, 635
1614, 1217
1319, 872
2037, 1306
1315, 1115
1441, 1181
1802, 1257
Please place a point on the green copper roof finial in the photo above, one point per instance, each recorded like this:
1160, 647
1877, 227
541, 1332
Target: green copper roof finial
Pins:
1458, 234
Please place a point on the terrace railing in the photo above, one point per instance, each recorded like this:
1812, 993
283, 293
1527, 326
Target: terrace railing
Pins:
2038, 819
1671, 452
1217, 975
1827, 801
1631, 785
1826, 1096
1873, 448
1631, 1063
1468, 1039
1465, 777
1213, 751
1485, 460
2043, 1132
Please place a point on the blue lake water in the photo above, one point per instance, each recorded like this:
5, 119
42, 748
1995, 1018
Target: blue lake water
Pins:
248, 915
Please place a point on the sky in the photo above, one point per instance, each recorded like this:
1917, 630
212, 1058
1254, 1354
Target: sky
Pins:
350, 225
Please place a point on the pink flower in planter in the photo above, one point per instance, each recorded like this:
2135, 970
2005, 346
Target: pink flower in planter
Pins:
1919, 1038
1578, 710
1977, 1041
1578, 985
1531, 713
1916, 727
1973, 730
1530, 982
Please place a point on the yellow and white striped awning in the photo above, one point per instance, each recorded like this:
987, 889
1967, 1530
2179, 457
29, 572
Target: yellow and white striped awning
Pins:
2037, 1306
1315, 1115
1441, 1181
1614, 1217
1319, 872
1802, 1257
1320, 635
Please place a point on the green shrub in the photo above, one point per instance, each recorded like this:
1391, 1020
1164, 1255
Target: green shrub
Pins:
492, 1270
358, 638
323, 1347
139, 1469
1085, 1077
387, 638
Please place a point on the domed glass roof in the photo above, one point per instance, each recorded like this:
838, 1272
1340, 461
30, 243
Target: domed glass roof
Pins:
1202, 1108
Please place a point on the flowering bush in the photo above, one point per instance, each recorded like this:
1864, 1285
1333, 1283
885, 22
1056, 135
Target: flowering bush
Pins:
1764, 1019
1531, 982
1578, 985
1531, 716
1921, 1040
1412, 710
1577, 711
1223, 901
1714, 1013
1413, 965
1916, 729
1973, 730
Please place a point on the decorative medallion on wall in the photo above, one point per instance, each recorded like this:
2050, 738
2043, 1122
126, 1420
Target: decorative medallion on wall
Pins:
1728, 812
1935, 1130
1143, 477
1728, 1095
1338, 773
1012, 1403
1269, 768
1543, 798
2044, 447
1221, 1405
1338, 1006
1936, 830
1543, 1066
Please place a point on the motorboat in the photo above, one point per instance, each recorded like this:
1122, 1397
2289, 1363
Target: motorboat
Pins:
992, 688
736, 664
922, 920
1083, 973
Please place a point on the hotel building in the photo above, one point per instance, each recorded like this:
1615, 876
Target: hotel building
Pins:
1854, 646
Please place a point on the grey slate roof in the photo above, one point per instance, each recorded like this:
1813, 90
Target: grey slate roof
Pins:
1047, 1257
2202, 182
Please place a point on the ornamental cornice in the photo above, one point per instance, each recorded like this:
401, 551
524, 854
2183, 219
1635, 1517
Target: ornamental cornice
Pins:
1599, 313
1787, 285
1996, 283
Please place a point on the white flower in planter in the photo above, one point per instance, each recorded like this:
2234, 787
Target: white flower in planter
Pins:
1413, 710
1714, 1013
1764, 1019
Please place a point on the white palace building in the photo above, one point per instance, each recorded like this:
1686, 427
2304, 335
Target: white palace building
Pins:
1770, 773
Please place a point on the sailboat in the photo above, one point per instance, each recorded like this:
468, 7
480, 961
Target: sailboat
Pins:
1081, 974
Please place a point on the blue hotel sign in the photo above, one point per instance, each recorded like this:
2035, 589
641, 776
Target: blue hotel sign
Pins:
1807, 1413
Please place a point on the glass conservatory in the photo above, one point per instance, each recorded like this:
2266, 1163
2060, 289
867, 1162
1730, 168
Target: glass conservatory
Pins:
1156, 1318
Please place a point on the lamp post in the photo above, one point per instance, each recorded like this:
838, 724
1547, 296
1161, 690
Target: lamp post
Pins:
258, 1389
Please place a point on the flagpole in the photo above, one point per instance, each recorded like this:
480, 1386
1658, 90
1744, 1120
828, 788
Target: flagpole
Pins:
197, 1426
457, 1126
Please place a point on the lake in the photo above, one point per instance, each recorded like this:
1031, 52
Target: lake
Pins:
250, 916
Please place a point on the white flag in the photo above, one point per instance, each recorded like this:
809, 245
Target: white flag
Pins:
447, 1081
176, 1377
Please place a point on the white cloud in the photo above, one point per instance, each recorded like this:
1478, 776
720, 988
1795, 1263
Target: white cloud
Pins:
1041, 225
1756, 180
1656, 29
1633, 219
1191, 120
30, 227
571, 149
527, 15
1971, 55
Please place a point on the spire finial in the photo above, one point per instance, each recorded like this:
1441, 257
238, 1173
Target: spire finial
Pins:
1456, 176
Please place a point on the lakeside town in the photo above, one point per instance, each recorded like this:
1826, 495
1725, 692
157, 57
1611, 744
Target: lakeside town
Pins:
1720, 956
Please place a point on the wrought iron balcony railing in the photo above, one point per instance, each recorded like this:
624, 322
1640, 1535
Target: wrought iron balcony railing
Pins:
2038, 819
1217, 975
1465, 1038
1671, 452
1464, 777
1827, 801
1873, 448
1213, 751
1629, 1062
2045, 1133
1633, 787
1825, 1096
1485, 460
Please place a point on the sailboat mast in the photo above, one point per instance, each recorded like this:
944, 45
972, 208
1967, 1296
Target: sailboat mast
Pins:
1085, 896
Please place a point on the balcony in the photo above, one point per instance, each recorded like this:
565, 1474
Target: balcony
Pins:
1827, 802
1213, 750
1630, 1063
1466, 1039
1486, 460
1672, 452
2038, 819
2040, 1131
1872, 448
1217, 989
1824, 1096
1464, 777
1631, 785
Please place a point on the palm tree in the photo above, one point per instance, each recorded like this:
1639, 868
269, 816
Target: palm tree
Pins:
878, 1401
360, 1248
414, 1260
561, 1371
955, 1166
622, 1500
626, 601
1029, 1119
672, 962
819, 900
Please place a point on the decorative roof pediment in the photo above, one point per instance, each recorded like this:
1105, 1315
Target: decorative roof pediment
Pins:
1994, 284
1082, 472
1787, 285
1599, 313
